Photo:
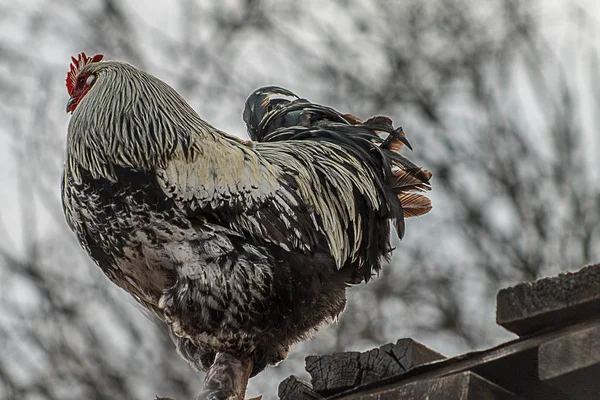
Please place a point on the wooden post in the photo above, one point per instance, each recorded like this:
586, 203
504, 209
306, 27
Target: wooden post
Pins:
294, 388
338, 372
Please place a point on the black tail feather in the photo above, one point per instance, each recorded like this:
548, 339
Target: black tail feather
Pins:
274, 114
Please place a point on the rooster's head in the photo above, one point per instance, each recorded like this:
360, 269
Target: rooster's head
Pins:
78, 81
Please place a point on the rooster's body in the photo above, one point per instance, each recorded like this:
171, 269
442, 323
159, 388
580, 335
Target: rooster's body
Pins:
242, 248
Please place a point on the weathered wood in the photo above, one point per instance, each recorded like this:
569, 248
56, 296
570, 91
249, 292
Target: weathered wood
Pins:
294, 388
559, 359
461, 386
530, 307
512, 365
517, 372
571, 363
335, 373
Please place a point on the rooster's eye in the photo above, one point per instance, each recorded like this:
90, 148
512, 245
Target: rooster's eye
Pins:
90, 80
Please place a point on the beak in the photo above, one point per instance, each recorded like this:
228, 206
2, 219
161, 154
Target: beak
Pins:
69, 104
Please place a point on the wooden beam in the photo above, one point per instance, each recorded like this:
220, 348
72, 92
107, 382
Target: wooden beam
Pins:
341, 371
511, 365
550, 302
571, 363
294, 388
460, 386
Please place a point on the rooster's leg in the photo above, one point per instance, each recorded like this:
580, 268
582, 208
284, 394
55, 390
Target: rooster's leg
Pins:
227, 378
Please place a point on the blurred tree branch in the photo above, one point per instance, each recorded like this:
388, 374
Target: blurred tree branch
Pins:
487, 102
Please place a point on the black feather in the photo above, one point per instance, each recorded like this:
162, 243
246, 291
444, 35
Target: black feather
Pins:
374, 142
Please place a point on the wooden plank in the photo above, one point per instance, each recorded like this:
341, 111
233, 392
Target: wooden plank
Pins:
341, 371
461, 386
519, 373
482, 389
571, 363
294, 388
511, 365
550, 302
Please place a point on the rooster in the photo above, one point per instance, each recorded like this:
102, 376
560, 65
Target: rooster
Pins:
242, 248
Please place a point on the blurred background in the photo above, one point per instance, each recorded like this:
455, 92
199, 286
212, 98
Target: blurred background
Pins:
499, 98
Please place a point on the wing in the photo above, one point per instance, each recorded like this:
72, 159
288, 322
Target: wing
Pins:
317, 177
229, 183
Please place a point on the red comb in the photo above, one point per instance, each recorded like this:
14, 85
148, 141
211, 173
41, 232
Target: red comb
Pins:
81, 61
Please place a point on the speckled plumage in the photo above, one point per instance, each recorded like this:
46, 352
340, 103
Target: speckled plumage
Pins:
240, 247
